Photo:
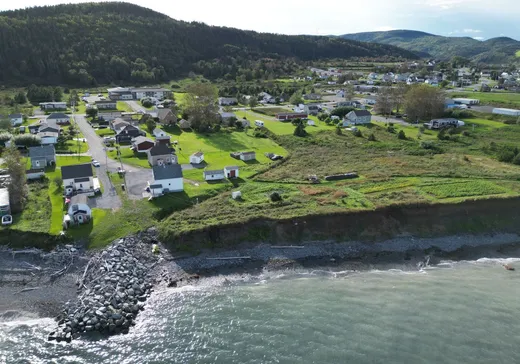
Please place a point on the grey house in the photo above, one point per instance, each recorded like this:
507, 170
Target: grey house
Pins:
161, 154
42, 156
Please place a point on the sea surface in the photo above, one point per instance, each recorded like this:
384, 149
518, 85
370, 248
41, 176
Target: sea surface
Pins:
464, 312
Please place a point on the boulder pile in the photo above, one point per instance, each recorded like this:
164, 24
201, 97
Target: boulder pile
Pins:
111, 292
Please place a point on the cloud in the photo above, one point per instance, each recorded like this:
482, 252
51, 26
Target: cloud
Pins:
472, 31
478, 38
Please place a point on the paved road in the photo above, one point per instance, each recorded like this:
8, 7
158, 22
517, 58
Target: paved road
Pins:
136, 178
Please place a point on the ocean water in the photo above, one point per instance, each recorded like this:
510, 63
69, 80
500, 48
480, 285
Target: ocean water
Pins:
464, 312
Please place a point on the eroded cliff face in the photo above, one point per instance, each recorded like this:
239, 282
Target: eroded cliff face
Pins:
420, 220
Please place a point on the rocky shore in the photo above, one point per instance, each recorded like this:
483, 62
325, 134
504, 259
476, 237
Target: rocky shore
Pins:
104, 291
111, 292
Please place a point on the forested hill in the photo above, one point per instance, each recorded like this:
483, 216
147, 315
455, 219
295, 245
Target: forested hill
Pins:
90, 43
496, 50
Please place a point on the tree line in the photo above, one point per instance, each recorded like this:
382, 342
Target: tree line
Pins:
102, 43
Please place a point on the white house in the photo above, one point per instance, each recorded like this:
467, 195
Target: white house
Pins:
357, 117
226, 101
78, 177
161, 136
78, 212
59, 105
16, 119
48, 137
231, 171
166, 178
215, 175
58, 118
197, 158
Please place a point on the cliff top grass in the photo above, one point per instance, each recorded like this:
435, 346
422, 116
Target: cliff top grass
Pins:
418, 169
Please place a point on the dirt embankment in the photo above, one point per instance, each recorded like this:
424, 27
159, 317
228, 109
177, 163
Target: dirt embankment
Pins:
419, 220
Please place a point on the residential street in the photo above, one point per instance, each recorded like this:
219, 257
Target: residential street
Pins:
136, 178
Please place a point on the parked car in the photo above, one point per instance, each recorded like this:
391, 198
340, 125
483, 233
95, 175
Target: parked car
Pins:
95, 163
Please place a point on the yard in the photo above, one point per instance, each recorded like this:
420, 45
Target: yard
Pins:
281, 127
105, 132
502, 99
129, 157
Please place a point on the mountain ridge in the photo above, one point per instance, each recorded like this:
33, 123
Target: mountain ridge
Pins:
494, 50
74, 43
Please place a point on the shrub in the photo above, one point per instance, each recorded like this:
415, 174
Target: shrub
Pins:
58, 182
427, 144
466, 133
338, 131
27, 140
506, 155
516, 159
216, 128
452, 131
371, 137
275, 197
401, 135
390, 128
442, 135
259, 133
357, 133
300, 130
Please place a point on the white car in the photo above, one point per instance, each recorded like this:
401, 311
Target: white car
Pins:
95, 163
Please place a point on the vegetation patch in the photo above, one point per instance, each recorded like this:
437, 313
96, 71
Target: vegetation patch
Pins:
450, 189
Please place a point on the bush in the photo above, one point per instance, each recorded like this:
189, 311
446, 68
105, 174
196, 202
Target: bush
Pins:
452, 131
58, 182
371, 137
401, 135
259, 133
275, 197
516, 159
442, 135
27, 140
466, 133
357, 133
338, 131
390, 128
147, 103
300, 130
427, 144
342, 111
216, 128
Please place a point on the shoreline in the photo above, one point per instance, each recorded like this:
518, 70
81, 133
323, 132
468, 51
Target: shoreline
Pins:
170, 272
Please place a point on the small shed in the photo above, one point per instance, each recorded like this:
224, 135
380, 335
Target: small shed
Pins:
311, 123
247, 156
5, 207
184, 124
197, 158
235, 195
79, 212
231, 171
214, 175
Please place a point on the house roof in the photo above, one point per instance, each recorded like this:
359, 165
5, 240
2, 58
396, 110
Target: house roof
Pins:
184, 123
160, 149
127, 128
167, 171
361, 112
35, 170
4, 197
141, 139
227, 114
158, 131
231, 168
57, 115
82, 179
42, 151
77, 171
105, 102
162, 113
49, 128
15, 116
198, 154
48, 134
216, 171
151, 89
247, 153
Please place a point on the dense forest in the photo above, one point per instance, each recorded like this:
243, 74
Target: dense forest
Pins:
115, 42
495, 50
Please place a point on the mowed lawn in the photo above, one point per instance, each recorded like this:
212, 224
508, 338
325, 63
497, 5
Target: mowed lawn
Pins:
218, 146
281, 127
498, 98
129, 157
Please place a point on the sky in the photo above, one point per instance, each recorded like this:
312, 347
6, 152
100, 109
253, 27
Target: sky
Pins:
479, 19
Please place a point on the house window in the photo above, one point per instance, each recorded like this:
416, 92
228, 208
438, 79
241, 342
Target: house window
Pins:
81, 185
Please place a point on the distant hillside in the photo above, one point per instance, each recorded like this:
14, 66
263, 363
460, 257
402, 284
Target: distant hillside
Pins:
496, 50
92, 43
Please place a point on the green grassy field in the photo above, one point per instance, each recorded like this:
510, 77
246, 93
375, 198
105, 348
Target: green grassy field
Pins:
129, 157
281, 127
391, 171
105, 132
123, 106
503, 99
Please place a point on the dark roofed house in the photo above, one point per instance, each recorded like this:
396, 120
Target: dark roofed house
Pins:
166, 178
357, 117
58, 118
127, 133
166, 116
161, 154
78, 177
42, 156
142, 144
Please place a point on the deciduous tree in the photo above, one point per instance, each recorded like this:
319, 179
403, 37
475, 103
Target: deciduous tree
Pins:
18, 183
201, 105
423, 102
